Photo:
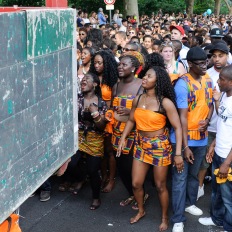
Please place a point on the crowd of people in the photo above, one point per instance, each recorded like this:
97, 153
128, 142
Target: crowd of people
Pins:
155, 93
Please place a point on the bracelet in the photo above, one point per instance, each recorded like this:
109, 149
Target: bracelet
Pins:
92, 114
178, 155
207, 118
95, 116
98, 120
185, 148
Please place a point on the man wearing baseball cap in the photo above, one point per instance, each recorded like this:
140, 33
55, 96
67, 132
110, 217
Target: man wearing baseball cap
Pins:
177, 33
194, 103
216, 34
220, 57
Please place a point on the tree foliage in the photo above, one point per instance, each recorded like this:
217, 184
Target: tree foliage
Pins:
145, 6
22, 2
168, 6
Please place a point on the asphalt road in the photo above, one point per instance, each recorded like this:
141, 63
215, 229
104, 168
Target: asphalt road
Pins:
65, 212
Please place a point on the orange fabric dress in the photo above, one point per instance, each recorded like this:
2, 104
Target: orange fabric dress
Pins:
106, 92
157, 150
118, 126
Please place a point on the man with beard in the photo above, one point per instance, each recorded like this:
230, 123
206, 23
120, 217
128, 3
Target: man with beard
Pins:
194, 103
219, 53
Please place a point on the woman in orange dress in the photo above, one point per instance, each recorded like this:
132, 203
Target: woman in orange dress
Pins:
105, 66
151, 113
123, 94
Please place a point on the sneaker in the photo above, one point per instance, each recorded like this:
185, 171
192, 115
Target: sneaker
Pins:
201, 192
206, 221
194, 210
178, 227
33, 194
208, 178
45, 195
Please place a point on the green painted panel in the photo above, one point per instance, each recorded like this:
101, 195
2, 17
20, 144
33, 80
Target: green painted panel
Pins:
12, 38
49, 31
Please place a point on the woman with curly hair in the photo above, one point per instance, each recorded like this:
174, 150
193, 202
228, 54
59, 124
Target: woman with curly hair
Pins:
95, 35
154, 59
123, 94
151, 113
105, 66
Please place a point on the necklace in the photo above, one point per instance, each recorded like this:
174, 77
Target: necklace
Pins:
146, 103
83, 70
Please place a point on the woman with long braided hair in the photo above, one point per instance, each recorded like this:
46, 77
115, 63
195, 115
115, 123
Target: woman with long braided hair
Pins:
105, 66
151, 113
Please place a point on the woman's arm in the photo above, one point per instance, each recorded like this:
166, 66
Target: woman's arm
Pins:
92, 21
174, 119
98, 116
181, 69
113, 94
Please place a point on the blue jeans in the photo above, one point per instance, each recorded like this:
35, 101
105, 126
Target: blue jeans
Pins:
46, 186
185, 184
221, 199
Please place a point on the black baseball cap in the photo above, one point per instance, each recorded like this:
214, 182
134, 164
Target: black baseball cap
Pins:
196, 53
216, 33
221, 47
148, 28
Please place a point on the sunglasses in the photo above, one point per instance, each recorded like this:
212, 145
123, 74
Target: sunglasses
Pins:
156, 26
131, 32
140, 33
201, 64
81, 33
127, 50
167, 44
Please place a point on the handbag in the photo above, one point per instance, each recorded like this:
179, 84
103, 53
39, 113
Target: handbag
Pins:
11, 224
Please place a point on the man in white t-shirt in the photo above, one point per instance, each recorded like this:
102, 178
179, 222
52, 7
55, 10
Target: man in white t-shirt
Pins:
123, 26
221, 197
219, 53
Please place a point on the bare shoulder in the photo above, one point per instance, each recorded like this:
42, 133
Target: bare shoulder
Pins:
167, 103
135, 101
